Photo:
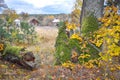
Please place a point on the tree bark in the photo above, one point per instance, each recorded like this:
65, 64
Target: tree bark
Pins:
92, 6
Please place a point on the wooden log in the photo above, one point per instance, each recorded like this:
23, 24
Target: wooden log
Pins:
24, 58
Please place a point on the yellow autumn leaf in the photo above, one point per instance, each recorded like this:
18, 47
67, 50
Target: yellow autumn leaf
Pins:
1, 47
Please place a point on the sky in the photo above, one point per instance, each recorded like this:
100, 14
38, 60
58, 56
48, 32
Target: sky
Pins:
41, 6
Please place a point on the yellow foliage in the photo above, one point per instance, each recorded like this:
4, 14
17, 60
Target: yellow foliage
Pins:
112, 68
1, 47
76, 36
98, 78
75, 14
70, 26
109, 32
89, 65
115, 9
99, 43
37, 48
14, 34
107, 38
83, 56
105, 57
68, 64
118, 67
51, 17
12, 15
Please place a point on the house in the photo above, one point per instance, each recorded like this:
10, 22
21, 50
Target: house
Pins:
56, 21
34, 22
17, 22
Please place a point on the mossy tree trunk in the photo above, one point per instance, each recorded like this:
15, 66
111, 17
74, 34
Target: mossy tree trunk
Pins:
92, 6
91, 10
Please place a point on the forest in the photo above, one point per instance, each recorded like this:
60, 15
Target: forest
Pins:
83, 45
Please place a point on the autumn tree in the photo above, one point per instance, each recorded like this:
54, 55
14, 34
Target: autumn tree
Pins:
107, 37
47, 20
24, 15
9, 16
75, 15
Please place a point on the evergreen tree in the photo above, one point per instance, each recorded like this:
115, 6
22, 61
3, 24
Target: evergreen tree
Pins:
62, 50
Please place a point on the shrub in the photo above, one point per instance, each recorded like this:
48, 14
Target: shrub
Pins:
62, 53
64, 46
12, 50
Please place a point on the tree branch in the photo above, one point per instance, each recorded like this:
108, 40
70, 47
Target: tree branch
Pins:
94, 46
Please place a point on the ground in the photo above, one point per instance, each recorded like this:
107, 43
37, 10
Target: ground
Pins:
47, 36
47, 40
46, 70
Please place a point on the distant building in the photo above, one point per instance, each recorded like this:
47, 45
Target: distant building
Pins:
56, 21
34, 22
17, 22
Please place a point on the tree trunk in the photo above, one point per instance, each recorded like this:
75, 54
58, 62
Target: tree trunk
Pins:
92, 6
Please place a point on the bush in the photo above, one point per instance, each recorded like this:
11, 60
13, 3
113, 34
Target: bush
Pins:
62, 50
89, 26
75, 44
12, 50
93, 52
60, 24
64, 46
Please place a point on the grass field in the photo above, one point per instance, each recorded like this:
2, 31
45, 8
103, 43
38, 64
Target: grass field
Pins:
47, 36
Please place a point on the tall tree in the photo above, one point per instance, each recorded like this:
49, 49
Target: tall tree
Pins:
24, 15
75, 15
91, 10
92, 6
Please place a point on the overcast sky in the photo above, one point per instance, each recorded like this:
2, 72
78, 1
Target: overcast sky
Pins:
41, 6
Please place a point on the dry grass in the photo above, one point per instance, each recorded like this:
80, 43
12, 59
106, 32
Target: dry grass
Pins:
47, 37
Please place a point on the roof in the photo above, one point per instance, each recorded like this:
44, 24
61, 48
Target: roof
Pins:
16, 20
56, 20
31, 18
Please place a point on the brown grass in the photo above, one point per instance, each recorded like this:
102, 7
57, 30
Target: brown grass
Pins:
46, 41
